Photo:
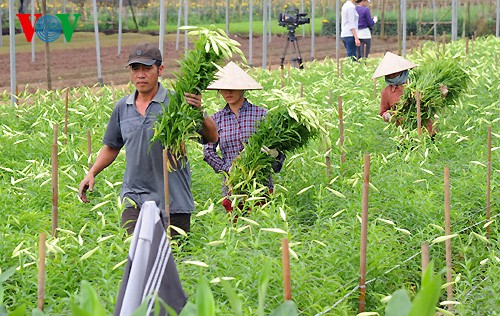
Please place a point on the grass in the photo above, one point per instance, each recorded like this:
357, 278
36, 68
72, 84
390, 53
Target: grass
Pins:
405, 201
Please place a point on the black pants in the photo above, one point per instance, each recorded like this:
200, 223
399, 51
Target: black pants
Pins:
364, 50
181, 220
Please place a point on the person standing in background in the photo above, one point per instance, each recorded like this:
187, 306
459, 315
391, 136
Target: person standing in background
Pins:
349, 28
365, 24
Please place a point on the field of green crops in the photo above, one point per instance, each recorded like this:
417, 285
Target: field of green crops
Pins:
319, 214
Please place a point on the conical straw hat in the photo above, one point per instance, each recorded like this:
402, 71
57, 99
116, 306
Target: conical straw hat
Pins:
232, 77
392, 63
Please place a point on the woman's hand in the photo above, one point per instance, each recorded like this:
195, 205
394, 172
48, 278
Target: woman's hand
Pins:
387, 116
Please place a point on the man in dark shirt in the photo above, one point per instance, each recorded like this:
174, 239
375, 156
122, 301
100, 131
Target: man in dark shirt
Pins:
131, 126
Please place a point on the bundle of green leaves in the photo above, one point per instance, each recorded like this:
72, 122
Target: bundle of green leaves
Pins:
180, 121
440, 80
287, 127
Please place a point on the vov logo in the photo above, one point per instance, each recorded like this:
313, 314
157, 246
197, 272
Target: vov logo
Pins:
48, 28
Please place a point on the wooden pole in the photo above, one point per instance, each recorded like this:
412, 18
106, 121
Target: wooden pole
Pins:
282, 77
444, 42
89, 149
165, 181
285, 259
288, 71
447, 224
55, 188
55, 182
425, 257
364, 234
66, 116
419, 118
327, 157
472, 42
47, 50
340, 68
411, 42
41, 271
113, 92
488, 183
341, 131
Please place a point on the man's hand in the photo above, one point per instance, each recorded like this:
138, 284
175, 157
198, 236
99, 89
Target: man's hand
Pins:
271, 152
357, 41
86, 184
193, 99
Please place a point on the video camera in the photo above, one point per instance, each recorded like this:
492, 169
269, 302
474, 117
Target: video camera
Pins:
291, 19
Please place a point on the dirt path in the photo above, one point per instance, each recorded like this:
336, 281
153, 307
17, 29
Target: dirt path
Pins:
75, 65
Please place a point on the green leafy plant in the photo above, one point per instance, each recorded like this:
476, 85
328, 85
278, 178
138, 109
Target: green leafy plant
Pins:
286, 128
425, 301
440, 79
179, 120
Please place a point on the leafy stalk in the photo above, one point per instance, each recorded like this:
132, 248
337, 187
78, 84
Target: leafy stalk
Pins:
286, 128
434, 74
180, 121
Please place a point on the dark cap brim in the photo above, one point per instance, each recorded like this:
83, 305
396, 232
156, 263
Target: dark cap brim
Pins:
148, 62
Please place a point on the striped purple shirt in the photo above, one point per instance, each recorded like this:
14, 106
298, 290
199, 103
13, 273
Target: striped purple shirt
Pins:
233, 134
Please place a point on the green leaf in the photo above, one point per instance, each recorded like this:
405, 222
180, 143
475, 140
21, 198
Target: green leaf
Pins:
427, 298
286, 308
204, 298
263, 283
399, 304
234, 300
88, 302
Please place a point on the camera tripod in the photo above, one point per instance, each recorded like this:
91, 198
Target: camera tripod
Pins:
297, 60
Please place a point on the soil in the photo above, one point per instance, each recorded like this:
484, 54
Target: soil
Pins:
72, 67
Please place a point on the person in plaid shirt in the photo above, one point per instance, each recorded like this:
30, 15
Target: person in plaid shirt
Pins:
236, 122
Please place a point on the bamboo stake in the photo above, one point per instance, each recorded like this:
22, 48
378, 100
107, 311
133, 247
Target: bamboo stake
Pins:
425, 257
419, 118
55, 180
411, 42
282, 77
285, 259
341, 131
66, 116
89, 149
165, 181
447, 224
488, 184
364, 234
341, 68
41, 271
288, 72
327, 157
444, 42
113, 91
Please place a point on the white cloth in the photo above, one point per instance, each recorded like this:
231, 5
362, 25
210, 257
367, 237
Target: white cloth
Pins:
364, 33
349, 19
150, 267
